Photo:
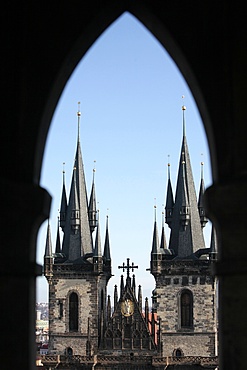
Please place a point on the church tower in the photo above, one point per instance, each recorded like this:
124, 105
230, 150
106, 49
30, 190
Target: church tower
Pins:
185, 291
78, 271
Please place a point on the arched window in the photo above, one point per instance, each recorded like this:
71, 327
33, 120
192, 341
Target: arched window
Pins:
186, 308
178, 352
73, 312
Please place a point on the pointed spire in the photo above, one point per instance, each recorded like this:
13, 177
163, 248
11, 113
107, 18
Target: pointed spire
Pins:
121, 286
97, 258
108, 308
186, 233
97, 249
48, 244
115, 297
185, 206
78, 121
134, 285
213, 244
107, 254
63, 206
140, 297
184, 109
92, 212
163, 237
74, 203
83, 244
146, 310
155, 245
169, 199
201, 208
58, 243
153, 325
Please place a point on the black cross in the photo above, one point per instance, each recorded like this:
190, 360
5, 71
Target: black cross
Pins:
128, 267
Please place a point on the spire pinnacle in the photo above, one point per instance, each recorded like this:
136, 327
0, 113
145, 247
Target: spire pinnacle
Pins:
63, 205
107, 255
155, 210
169, 197
58, 243
186, 235
163, 238
79, 116
48, 244
63, 172
183, 109
155, 245
169, 167
201, 209
92, 211
202, 164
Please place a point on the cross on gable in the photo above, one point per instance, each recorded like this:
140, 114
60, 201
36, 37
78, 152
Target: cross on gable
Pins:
128, 267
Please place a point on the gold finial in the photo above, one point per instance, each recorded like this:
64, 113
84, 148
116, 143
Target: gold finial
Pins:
79, 112
155, 209
202, 163
94, 169
183, 106
63, 167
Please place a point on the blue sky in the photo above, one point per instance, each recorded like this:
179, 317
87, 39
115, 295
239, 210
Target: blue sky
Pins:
131, 97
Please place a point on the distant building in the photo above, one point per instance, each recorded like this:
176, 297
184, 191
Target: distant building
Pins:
179, 331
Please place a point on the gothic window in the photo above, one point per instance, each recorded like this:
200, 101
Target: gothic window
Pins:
178, 352
186, 308
73, 312
69, 351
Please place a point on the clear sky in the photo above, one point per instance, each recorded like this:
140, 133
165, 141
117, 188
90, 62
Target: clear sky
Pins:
131, 97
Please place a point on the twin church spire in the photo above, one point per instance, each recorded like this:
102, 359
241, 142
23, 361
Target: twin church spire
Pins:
79, 219
184, 214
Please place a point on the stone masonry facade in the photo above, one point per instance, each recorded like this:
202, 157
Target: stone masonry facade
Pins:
200, 338
91, 291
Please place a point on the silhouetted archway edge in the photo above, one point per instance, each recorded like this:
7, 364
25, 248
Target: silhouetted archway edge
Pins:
101, 21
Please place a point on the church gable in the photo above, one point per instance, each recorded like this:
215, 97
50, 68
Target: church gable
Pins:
128, 328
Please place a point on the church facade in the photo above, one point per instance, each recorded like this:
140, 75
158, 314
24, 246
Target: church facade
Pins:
88, 330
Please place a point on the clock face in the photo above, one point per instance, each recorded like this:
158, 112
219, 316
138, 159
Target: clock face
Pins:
127, 307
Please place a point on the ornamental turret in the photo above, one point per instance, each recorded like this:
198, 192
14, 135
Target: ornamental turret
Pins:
75, 209
48, 257
201, 208
156, 253
184, 210
97, 258
169, 200
63, 206
92, 211
107, 253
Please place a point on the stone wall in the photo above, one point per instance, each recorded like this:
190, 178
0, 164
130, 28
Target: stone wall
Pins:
200, 338
89, 288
